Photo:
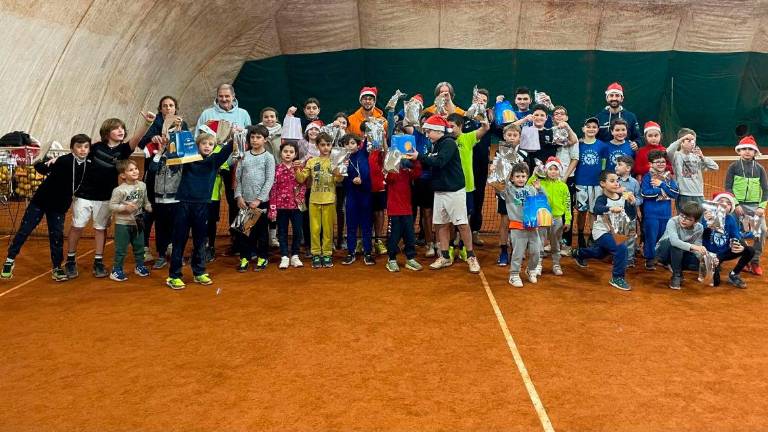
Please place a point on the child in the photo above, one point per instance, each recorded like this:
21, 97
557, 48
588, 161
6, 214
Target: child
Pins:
194, 195
167, 180
52, 199
311, 110
629, 186
357, 190
286, 198
747, 181
726, 241
619, 145
466, 143
511, 142
568, 153
423, 194
515, 191
400, 215
275, 129
652, 137
657, 189
545, 147
591, 154
611, 201
254, 176
91, 199
340, 120
128, 202
559, 199
680, 246
322, 200
308, 149
689, 165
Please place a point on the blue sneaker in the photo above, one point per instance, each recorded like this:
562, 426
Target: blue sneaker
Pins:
622, 284
141, 270
503, 260
118, 275
581, 262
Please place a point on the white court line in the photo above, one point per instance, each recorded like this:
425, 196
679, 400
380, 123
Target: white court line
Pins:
537, 404
46, 273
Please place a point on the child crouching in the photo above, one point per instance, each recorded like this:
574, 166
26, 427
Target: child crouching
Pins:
680, 247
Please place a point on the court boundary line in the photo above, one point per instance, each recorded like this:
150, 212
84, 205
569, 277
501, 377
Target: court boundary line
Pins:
10, 290
522, 370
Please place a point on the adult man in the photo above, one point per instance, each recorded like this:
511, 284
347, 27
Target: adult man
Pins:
614, 95
356, 120
450, 205
224, 108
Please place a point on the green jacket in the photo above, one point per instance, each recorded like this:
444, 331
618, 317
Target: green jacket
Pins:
748, 182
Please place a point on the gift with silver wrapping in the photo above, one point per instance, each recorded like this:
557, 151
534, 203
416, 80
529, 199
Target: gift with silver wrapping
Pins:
334, 131
718, 211
707, 265
412, 110
245, 220
502, 168
560, 136
395, 97
239, 143
476, 111
374, 132
541, 98
620, 226
339, 155
751, 226
440, 106
392, 160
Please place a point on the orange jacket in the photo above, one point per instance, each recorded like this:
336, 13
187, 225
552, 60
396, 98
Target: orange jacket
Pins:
357, 118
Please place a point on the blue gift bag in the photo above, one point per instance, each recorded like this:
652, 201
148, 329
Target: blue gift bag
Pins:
404, 143
504, 113
183, 148
536, 212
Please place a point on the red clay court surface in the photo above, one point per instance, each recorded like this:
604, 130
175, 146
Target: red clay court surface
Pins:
359, 349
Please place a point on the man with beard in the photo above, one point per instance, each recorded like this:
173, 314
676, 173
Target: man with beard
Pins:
614, 95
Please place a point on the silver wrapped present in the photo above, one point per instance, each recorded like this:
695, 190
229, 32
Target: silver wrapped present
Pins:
339, 155
412, 110
245, 220
707, 265
374, 132
502, 168
476, 111
334, 131
751, 226
560, 136
718, 215
441, 106
240, 144
392, 160
395, 97
542, 99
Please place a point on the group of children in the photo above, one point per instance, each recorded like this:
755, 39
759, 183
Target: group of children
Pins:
618, 191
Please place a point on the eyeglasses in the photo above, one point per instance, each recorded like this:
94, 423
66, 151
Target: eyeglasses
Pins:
687, 218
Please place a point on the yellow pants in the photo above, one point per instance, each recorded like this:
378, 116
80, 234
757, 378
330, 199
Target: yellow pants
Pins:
321, 218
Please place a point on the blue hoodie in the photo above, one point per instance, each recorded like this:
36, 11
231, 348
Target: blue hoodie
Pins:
605, 117
358, 166
653, 207
720, 242
236, 116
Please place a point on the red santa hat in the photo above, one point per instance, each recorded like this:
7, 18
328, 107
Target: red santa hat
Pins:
210, 127
748, 142
368, 91
553, 161
436, 123
614, 88
651, 126
717, 196
314, 124
419, 98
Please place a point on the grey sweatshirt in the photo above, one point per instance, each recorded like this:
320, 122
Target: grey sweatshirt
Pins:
125, 193
682, 238
689, 170
255, 176
514, 198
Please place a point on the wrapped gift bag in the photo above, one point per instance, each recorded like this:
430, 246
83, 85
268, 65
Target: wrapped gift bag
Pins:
504, 113
182, 148
536, 212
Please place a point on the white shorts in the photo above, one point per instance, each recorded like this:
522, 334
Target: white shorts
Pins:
450, 207
83, 210
586, 197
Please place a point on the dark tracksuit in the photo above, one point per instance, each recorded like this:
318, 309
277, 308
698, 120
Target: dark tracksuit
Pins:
358, 205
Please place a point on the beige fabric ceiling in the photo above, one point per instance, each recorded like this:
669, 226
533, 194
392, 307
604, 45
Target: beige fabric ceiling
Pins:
69, 64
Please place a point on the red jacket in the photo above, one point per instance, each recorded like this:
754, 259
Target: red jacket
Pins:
376, 163
642, 166
399, 190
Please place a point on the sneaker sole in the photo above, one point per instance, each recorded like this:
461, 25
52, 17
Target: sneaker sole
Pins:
414, 268
203, 283
175, 288
620, 288
64, 279
117, 280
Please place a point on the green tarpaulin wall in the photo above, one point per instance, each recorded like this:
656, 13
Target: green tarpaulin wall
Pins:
711, 93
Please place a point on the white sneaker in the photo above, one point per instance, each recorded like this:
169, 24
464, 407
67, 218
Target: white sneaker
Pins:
296, 261
531, 276
474, 266
147, 254
565, 250
284, 262
557, 270
430, 250
515, 281
548, 248
440, 262
538, 270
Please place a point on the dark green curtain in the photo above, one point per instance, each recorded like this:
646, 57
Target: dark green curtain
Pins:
711, 93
